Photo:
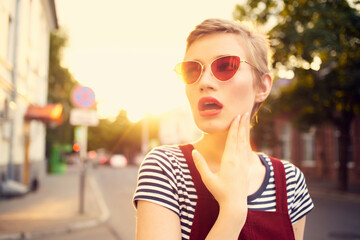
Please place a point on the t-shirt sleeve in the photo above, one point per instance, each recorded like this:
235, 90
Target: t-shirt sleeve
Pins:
157, 182
300, 201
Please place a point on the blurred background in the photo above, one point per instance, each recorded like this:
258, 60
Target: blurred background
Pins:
88, 88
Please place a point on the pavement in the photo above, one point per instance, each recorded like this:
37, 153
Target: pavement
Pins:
54, 208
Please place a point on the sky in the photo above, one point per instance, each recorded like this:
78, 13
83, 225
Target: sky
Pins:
126, 50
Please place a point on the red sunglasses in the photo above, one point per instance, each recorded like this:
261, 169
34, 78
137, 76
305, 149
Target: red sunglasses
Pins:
223, 69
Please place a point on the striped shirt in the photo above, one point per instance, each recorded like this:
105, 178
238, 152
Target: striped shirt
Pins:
164, 178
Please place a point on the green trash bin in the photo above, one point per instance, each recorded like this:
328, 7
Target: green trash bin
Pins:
57, 160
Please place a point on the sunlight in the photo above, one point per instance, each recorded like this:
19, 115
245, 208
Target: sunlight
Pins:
127, 53
136, 82
316, 63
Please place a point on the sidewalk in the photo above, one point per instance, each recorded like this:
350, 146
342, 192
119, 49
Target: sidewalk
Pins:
53, 209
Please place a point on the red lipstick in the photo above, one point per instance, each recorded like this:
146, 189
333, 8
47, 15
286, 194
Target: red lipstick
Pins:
209, 106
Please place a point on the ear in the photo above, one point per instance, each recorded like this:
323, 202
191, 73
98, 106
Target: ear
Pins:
264, 88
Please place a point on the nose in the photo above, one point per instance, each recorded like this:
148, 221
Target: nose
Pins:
207, 81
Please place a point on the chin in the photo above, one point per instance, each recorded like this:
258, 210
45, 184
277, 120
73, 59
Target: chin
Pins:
210, 127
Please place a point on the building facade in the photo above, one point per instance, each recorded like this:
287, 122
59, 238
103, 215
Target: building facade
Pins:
25, 27
316, 152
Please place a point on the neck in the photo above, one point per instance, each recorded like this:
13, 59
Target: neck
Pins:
212, 145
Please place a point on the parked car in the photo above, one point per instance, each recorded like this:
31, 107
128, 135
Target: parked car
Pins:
102, 158
118, 161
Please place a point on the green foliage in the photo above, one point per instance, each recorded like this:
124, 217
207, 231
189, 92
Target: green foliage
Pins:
60, 85
303, 32
112, 135
319, 40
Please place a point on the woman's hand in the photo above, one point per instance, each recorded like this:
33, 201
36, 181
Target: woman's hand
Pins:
229, 185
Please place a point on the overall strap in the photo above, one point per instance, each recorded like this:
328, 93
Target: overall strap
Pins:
280, 185
198, 183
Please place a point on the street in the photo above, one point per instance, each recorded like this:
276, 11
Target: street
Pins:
331, 219
117, 187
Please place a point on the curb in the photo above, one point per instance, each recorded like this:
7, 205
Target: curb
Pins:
104, 216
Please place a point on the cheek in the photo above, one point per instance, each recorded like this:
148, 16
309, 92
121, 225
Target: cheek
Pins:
242, 97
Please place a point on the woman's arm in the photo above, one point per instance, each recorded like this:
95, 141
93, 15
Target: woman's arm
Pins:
156, 222
299, 228
229, 185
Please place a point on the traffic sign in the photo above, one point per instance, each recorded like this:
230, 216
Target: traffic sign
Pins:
83, 117
83, 97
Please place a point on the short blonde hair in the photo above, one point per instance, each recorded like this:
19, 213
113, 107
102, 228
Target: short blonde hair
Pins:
256, 44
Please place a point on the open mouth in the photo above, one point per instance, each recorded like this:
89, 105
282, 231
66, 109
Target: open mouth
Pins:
209, 106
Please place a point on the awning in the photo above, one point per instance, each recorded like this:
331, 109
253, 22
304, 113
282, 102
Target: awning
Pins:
50, 113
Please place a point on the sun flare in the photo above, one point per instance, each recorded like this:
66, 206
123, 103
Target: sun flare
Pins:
128, 60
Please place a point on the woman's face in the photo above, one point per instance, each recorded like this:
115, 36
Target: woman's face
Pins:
215, 104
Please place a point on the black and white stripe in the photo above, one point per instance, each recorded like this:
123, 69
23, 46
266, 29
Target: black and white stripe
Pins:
164, 178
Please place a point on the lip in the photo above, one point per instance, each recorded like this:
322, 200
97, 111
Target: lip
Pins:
209, 112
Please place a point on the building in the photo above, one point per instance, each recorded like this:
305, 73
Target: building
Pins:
316, 151
25, 27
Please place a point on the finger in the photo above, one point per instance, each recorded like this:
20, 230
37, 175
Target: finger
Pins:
232, 137
248, 124
244, 130
202, 166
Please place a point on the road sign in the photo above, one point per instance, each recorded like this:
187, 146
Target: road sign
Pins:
83, 97
83, 117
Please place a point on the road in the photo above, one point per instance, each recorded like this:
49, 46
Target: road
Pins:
332, 218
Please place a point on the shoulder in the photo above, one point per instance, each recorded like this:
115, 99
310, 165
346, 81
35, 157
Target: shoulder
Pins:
293, 173
166, 150
299, 199
166, 157
294, 176
157, 177
166, 160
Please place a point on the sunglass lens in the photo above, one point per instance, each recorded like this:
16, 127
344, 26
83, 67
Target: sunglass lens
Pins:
189, 72
225, 68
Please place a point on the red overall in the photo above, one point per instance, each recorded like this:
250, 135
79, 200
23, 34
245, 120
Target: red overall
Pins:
259, 225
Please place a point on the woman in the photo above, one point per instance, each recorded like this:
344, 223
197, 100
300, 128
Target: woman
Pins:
217, 187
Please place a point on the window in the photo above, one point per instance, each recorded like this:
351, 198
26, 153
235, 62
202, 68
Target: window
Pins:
308, 147
285, 139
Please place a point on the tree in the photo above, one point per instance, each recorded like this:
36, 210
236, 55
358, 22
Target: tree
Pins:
111, 134
121, 135
319, 40
61, 82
